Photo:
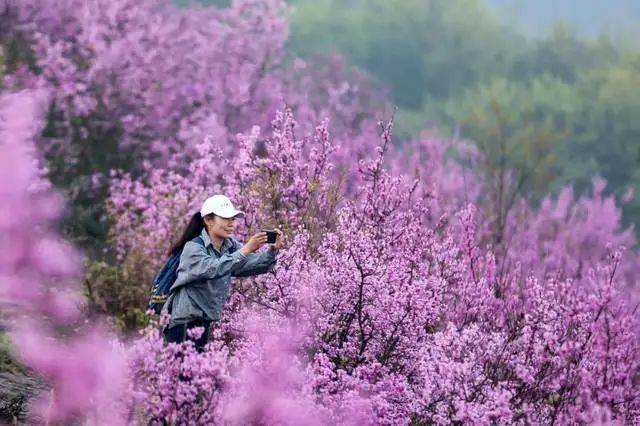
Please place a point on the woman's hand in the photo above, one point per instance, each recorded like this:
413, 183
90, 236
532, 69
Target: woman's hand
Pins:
254, 243
279, 241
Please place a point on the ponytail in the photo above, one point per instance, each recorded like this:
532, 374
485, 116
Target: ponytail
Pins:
193, 229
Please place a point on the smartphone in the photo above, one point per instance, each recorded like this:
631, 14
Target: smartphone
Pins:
271, 236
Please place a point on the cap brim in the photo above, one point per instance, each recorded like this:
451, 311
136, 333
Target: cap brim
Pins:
230, 214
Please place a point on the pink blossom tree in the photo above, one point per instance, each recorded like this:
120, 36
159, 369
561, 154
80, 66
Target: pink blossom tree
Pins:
392, 302
39, 276
141, 83
405, 318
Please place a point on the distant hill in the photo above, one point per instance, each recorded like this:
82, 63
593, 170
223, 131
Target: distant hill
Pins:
619, 19
616, 18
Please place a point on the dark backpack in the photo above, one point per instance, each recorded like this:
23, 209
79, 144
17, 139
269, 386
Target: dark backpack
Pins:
161, 286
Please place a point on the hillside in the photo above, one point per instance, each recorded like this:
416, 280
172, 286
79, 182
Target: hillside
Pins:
588, 17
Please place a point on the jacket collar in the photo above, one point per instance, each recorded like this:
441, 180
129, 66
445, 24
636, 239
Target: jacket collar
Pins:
207, 241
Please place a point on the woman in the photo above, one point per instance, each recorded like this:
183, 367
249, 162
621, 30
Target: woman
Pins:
210, 257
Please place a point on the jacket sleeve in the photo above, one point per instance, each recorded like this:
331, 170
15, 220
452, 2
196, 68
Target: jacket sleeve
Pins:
256, 264
196, 264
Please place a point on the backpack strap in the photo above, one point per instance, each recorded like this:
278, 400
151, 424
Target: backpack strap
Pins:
197, 240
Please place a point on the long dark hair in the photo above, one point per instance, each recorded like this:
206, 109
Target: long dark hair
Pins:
193, 229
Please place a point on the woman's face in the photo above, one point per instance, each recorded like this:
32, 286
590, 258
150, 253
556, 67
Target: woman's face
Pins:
219, 226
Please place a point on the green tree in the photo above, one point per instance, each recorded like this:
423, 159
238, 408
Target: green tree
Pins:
517, 127
563, 55
607, 132
423, 50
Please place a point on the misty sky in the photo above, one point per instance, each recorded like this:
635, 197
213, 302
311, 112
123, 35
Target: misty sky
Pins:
589, 17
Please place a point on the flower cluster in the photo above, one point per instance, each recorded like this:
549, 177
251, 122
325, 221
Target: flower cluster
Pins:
394, 300
81, 365
405, 318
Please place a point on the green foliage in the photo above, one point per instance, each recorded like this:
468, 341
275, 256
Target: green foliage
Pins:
553, 110
563, 55
2, 66
590, 18
118, 292
8, 361
421, 49
95, 146
15, 51
607, 131
518, 127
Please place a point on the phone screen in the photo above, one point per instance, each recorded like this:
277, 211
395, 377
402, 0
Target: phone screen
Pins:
271, 236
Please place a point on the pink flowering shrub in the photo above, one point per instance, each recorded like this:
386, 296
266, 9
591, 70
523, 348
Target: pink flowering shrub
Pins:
537, 351
117, 66
137, 85
566, 237
392, 303
176, 384
396, 320
81, 366
405, 319
120, 87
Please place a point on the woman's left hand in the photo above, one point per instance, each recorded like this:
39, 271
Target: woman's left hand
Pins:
279, 241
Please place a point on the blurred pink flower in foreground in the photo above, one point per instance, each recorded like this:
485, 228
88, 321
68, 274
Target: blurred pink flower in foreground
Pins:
39, 272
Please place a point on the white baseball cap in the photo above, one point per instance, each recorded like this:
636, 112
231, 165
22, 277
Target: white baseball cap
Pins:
219, 205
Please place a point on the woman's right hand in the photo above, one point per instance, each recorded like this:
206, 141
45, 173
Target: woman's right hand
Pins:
254, 243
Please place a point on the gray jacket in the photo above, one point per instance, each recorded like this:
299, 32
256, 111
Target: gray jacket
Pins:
204, 276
